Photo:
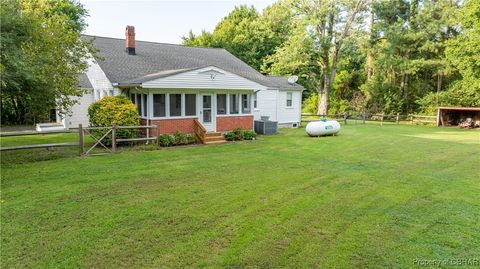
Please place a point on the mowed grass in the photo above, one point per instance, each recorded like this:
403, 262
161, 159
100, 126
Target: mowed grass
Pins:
372, 197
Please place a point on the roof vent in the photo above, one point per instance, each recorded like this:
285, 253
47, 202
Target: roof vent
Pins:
130, 40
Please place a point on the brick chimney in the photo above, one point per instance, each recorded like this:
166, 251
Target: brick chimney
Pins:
130, 40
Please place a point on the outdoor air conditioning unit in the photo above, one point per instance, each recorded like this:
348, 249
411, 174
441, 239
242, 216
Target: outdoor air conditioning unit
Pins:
265, 126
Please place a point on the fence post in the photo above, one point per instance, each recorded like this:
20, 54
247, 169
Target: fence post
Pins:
398, 118
80, 135
114, 137
411, 121
345, 116
363, 117
381, 120
158, 134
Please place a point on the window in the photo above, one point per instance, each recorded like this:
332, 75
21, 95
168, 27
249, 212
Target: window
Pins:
132, 97
245, 103
221, 104
175, 105
139, 103
289, 99
159, 105
145, 98
190, 104
255, 100
233, 104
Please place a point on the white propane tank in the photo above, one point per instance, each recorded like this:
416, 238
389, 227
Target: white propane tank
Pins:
322, 127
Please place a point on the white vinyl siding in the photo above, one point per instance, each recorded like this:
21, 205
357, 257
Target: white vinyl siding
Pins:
288, 114
204, 78
79, 111
266, 104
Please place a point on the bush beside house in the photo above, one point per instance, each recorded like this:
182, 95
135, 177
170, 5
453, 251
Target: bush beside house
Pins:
177, 139
240, 134
114, 109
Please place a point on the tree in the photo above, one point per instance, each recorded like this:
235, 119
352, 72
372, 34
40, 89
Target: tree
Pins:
246, 34
463, 53
327, 24
41, 57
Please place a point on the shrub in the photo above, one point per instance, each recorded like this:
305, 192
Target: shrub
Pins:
190, 139
249, 135
230, 136
110, 109
165, 140
180, 138
177, 139
240, 134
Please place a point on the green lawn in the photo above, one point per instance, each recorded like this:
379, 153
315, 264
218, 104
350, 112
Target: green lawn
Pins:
372, 197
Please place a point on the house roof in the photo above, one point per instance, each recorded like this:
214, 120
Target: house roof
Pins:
282, 82
153, 60
84, 82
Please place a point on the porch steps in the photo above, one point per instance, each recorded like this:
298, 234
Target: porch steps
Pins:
214, 138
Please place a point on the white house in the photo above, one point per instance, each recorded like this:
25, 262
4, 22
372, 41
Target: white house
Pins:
173, 84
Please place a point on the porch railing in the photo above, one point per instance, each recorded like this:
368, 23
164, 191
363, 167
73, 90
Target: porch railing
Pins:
200, 131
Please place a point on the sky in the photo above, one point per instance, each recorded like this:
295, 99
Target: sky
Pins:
159, 21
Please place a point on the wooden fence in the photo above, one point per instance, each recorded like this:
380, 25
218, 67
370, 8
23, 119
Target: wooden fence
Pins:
48, 146
381, 118
98, 135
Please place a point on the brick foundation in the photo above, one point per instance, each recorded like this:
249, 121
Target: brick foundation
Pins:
232, 122
170, 126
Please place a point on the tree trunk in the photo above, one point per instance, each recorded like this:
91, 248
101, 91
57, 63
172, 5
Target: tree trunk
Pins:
405, 92
370, 44
439, 84
439, 81
323, 102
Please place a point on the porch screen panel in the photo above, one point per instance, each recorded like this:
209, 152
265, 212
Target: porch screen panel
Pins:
234, 104
145, 104
190, 104
246, 104
221, 104
139, 103
159, 105
175, 105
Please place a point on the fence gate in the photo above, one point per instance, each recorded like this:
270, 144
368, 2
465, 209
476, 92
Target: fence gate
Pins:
103, 132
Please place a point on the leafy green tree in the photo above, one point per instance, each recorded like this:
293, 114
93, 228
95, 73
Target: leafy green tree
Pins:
463, 53
41, 57
247, 34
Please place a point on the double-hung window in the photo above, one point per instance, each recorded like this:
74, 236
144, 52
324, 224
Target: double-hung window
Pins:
289, 99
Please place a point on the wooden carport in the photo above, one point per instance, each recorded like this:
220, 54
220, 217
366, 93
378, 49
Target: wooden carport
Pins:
453, 116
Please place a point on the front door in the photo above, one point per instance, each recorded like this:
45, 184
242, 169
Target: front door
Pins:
206, 112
